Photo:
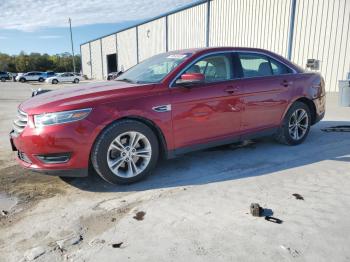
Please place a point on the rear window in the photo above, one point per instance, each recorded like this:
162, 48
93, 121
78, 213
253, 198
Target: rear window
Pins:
258, 65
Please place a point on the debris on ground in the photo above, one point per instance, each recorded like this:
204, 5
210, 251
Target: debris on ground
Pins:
4, 212
337, 129
139, 215
34, 253
298, 196
64, 244
117, 245
293, 252
255, 209
97, 241
273, 219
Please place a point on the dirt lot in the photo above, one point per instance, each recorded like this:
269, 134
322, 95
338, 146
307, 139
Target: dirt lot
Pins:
194, 208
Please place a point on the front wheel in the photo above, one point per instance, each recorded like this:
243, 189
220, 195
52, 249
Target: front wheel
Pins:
54, 81
3, 79
296, 125
41, 80
76, 81
22, 80
125, 152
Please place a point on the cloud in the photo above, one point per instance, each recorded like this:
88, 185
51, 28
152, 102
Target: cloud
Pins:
30, 15
50, 36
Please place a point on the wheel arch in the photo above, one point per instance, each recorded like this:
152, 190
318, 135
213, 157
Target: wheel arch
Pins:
310, 104
163, 148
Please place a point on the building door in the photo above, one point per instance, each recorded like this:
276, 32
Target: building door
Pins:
112, 64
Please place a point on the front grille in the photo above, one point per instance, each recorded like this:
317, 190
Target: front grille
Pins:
20, 122
24, 157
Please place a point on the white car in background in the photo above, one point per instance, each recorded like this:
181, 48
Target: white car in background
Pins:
31, 76
64, 77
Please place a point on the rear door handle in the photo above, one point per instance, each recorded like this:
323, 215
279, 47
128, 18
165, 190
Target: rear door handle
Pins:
231, 90
286, 83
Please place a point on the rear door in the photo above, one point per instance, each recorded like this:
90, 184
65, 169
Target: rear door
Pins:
265, 91
210, 111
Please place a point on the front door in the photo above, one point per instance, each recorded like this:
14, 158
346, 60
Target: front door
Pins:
210, 111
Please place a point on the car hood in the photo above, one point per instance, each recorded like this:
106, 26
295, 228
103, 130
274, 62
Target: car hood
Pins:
82, 96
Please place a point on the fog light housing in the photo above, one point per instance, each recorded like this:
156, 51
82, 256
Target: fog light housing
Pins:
58, 158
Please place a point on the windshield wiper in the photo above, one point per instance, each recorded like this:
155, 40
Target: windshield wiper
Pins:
125, 80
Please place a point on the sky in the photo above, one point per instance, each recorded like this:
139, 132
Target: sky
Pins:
42, 25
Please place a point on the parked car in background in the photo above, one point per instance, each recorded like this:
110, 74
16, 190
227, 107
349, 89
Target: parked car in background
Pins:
64, 77
31, 76
167, 105
114, 75
4, 76
49, 74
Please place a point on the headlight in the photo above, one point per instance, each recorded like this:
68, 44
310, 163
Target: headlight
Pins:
60, 117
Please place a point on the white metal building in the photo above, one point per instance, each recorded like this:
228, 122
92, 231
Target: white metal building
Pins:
296, 29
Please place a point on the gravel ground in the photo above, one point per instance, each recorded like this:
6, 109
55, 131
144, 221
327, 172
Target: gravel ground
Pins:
194, 208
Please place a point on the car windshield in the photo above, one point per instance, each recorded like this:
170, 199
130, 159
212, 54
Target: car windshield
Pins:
154, 69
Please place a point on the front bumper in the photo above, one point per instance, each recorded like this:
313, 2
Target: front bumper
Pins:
73, 139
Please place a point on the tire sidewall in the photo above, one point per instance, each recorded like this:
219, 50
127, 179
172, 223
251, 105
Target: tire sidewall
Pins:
102, 143
292, 109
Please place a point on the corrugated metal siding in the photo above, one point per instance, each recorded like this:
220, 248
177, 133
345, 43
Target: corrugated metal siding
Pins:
187, 28
96, 60
322, 32
250, 23
127, 49
109, 46
152, 38
85, 60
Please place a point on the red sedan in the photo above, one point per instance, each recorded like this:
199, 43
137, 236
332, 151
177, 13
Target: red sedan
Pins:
167, 105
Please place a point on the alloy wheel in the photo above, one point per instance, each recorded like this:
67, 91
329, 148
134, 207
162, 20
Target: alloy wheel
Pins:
298, 124
129, 154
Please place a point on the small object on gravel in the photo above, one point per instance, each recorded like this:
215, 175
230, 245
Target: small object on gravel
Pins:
139, 215
117, 245
65, 243
113, 219
97, 241
274, 220
4, 212
297, 196
255, 210
34, 253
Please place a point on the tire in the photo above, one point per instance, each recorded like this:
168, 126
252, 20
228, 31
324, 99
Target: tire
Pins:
105, 155
22, 80
292, 132
76, 81
41, 79
54, 81
3, 79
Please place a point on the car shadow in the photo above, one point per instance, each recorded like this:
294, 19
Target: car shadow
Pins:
234, 161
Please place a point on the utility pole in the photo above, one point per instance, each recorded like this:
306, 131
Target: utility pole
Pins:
71, 40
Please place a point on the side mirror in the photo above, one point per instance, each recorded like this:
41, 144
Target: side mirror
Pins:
189, 79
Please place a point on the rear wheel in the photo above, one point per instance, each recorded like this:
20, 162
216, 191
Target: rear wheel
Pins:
3, 79
296, 125
125, 152
41, 79
76, 81
22, 80
54, 81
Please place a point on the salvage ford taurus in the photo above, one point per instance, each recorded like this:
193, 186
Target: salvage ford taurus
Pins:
167, 105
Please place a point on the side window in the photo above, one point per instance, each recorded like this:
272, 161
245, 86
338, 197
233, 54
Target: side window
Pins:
215, 68
254, 65
278, 68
